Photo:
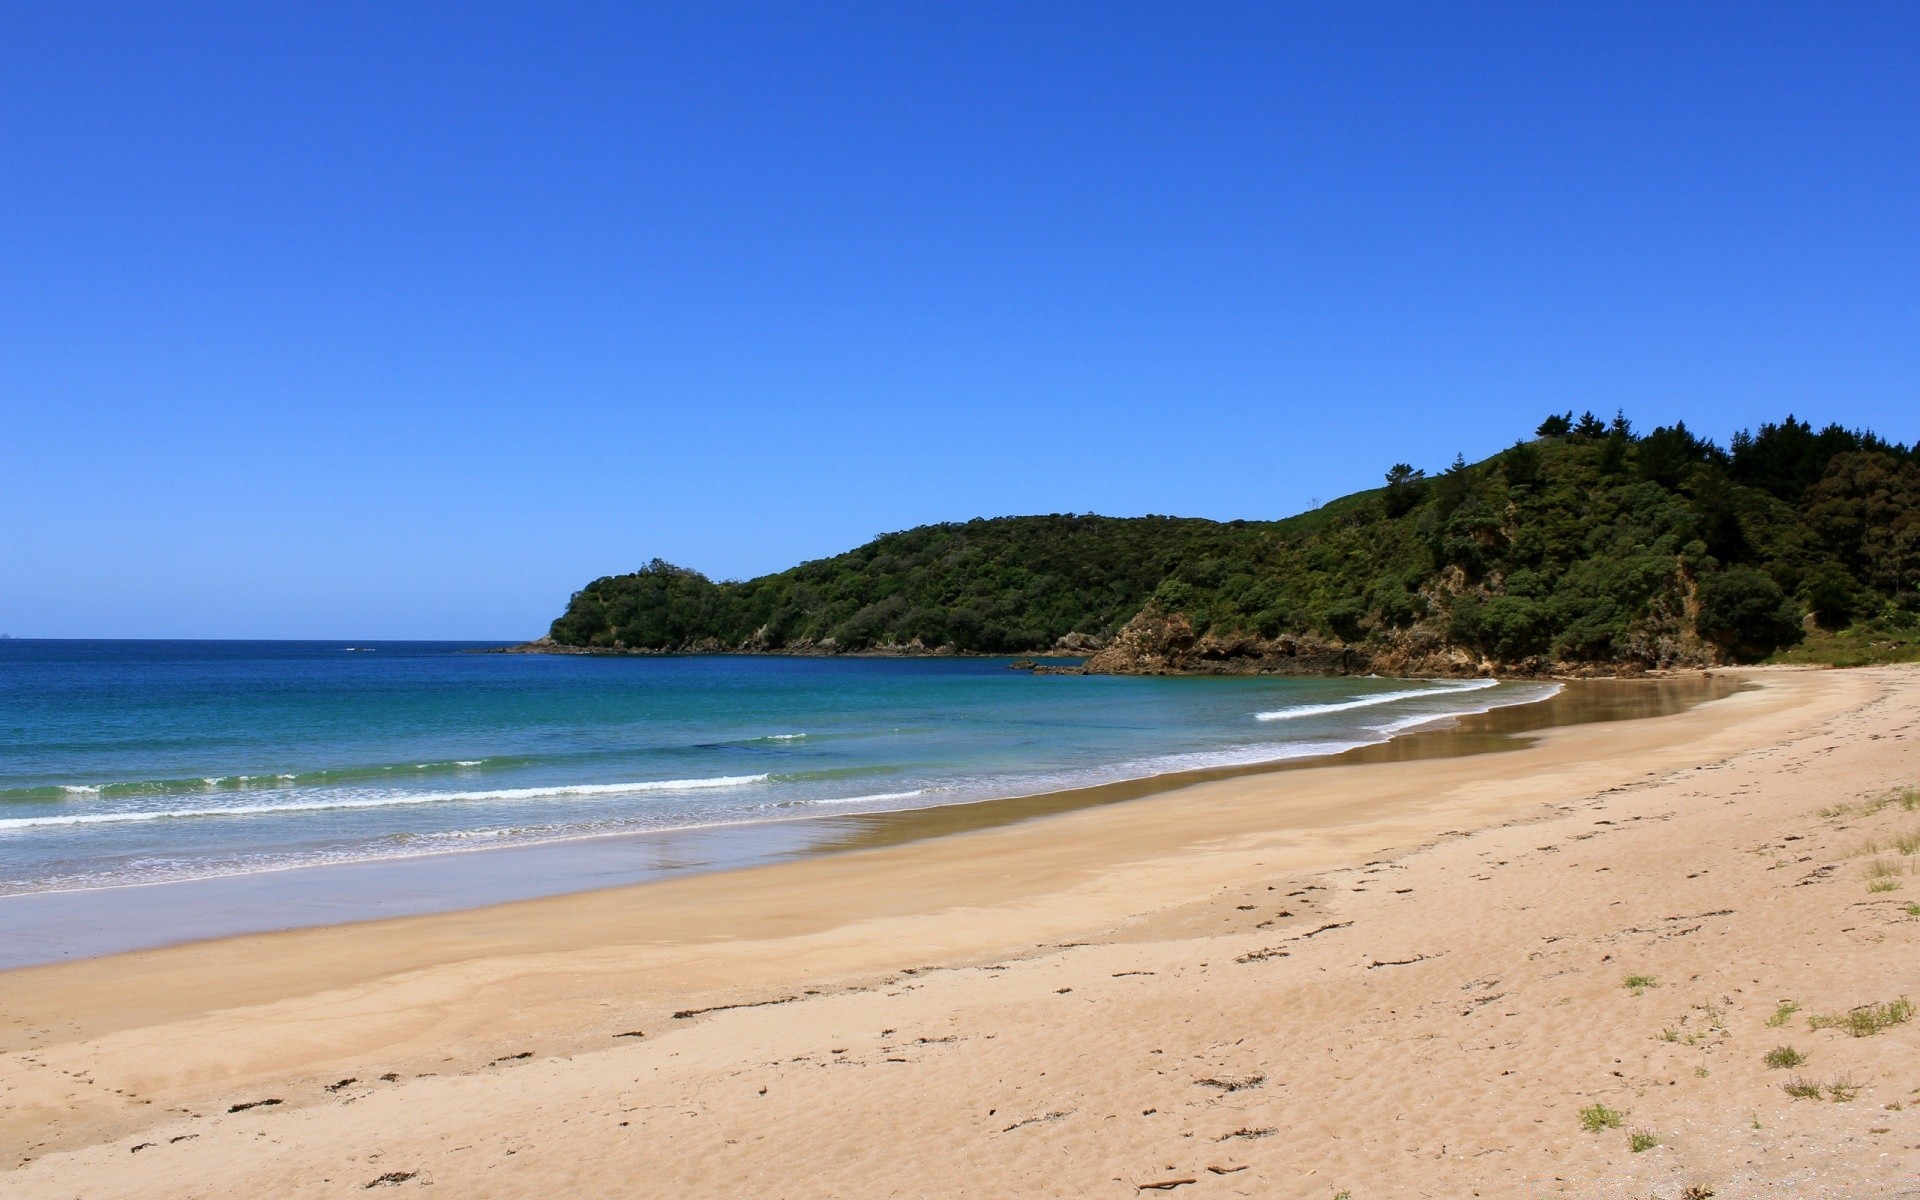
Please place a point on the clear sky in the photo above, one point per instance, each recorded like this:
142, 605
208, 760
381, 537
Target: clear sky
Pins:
394, 320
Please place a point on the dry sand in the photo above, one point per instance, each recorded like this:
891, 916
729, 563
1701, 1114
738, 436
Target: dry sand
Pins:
1389, 979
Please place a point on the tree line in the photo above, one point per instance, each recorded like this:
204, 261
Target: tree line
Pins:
1588, 542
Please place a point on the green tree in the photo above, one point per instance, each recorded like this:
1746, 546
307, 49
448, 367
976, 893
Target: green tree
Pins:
1745, 613
1406, 487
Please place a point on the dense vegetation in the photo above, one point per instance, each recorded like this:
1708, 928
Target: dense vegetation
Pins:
1587, 543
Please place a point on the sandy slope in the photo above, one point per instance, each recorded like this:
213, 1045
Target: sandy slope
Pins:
1401, 979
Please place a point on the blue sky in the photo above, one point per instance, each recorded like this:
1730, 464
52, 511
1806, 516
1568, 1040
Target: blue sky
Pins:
358, 320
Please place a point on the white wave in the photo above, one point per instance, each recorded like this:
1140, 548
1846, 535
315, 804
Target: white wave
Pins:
1227, 756
328, 805
875, 798
1368, 701
784, 737
1533, 694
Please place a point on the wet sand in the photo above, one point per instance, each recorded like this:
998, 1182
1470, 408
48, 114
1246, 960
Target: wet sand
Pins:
1400, 975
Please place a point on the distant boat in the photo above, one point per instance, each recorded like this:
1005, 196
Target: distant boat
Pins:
367, 649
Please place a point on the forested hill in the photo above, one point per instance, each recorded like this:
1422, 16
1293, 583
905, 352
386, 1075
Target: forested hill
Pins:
1586, 546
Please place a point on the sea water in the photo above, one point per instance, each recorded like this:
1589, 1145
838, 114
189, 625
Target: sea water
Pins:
129, 764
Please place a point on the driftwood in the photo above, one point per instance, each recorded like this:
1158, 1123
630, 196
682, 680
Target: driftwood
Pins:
1230, 1084
1400, 962
684, 1013
1324, 928
1249, 1134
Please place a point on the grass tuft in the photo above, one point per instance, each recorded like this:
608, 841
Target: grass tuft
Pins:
1597, 1116
1781, 1057
1840, 1089
1883, 874
1783, 1014
1640, 1140
1868, 1019
1639, 983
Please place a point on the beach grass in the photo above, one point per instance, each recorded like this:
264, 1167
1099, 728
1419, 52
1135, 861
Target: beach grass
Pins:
1781, 1057
1883, 874
1868, 1019
1597, 1116
1861, 645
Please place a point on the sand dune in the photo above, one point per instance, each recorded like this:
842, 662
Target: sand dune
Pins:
1392, 979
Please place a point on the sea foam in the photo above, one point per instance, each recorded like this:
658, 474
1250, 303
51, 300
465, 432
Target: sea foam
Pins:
389, 801
1373, 698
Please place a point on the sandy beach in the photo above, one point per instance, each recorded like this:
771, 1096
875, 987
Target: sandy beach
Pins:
1370, 978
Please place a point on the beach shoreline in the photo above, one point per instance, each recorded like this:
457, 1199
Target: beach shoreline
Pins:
479, 1014
65, 925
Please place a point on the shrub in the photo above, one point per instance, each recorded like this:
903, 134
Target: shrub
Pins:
1521, 465
1640, 1140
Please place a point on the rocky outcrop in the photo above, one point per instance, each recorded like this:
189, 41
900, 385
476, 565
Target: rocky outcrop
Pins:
1162, 643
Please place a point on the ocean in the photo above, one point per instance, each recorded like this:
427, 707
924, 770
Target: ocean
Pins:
128, 765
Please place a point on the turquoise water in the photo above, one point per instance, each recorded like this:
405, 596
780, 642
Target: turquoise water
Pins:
125, 763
